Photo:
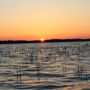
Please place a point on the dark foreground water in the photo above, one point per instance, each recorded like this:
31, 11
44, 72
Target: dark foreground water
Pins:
45, 66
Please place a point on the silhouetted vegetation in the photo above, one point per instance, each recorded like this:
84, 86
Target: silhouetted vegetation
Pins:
38, 41
67, 40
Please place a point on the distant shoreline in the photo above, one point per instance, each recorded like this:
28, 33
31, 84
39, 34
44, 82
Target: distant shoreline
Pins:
46, 41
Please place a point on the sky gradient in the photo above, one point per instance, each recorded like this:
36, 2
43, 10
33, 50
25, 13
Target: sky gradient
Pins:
49, 19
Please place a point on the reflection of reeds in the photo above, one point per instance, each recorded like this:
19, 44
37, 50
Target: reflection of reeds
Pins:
38, 67
57, 63
19, 73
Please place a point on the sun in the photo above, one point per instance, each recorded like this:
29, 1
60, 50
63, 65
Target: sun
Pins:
42, 39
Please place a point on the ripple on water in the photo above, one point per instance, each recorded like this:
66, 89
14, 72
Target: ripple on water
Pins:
54, 66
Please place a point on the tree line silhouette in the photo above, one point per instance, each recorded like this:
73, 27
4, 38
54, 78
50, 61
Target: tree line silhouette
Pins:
38, 41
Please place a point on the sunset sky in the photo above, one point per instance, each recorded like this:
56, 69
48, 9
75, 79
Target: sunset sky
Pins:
49, 19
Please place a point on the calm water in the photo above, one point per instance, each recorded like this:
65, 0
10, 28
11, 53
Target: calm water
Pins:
45, 66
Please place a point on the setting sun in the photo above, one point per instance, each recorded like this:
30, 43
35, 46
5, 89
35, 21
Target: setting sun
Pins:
42, 39
52, 19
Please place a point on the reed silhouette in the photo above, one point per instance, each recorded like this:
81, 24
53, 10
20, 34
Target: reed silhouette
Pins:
45, 67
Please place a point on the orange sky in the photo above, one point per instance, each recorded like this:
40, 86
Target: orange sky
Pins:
49, 19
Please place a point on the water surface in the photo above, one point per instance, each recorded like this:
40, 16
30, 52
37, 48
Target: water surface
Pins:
45, 66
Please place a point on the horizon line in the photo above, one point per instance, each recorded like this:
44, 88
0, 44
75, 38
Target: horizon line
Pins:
47, 39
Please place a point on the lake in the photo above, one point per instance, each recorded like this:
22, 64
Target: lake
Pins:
45, 66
